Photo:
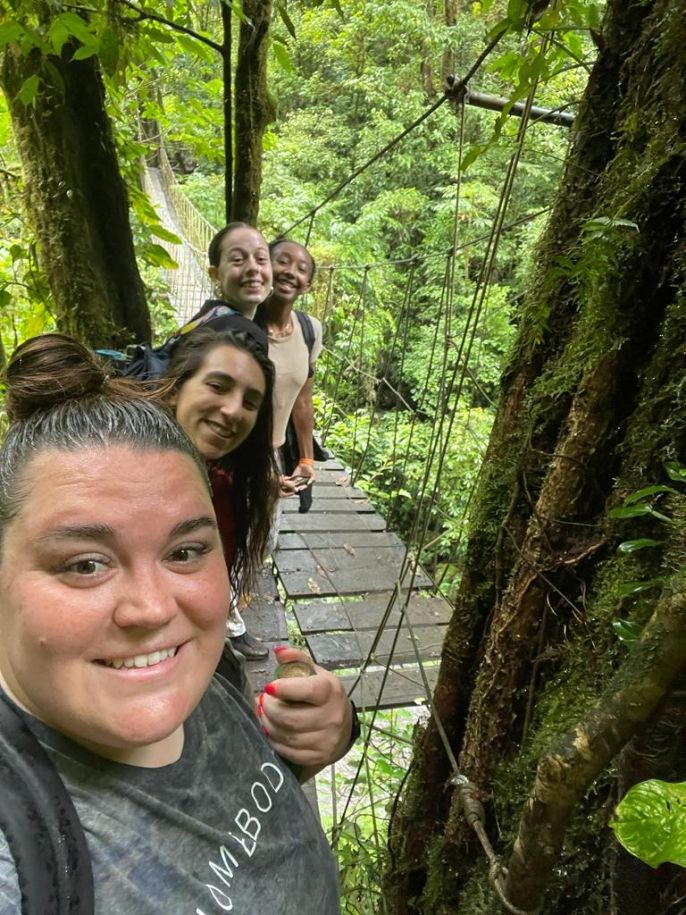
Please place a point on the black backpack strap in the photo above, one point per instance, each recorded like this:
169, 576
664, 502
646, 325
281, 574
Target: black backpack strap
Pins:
308, 335
40, 824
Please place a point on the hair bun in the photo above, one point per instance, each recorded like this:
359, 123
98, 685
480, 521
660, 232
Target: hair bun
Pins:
47, 370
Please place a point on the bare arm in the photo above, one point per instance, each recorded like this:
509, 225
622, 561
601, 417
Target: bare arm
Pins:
303, 421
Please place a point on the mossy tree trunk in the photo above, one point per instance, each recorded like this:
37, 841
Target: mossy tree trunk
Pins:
591, 408
253, 109
76, 198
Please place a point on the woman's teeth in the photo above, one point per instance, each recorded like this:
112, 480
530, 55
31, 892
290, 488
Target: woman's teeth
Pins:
142, 660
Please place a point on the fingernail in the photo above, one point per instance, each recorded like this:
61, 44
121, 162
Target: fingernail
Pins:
260, 700
270, 689
280, 648
265, 731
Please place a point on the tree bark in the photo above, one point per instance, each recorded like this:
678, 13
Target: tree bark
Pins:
228, 111
449, 62
253, 109
76, 199
589, 411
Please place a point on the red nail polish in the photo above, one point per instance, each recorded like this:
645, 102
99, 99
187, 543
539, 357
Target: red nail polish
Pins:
270, 689
260, 700
280, 648
265, 731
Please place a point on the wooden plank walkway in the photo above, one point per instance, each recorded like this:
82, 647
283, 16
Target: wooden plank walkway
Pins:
339, 566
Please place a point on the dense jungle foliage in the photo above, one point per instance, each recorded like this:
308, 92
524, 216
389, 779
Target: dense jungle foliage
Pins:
343, 81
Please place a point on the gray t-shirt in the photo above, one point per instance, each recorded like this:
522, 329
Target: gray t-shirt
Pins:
225, 829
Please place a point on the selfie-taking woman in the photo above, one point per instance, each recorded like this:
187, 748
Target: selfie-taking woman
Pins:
220, 388
113, 603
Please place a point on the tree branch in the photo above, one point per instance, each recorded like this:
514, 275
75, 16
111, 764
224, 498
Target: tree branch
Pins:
568, 769
144, 14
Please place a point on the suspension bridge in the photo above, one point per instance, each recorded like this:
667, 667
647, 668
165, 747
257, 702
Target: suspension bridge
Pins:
361, 603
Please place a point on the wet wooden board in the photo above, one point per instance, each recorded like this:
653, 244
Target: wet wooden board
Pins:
328, 539
331, 491
341, 581
337, 559
320, 504
350, 649
265, 619
332, 521
402, 687
422, 609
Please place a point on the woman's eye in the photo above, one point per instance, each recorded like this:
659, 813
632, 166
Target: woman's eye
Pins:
189, 552
86, 567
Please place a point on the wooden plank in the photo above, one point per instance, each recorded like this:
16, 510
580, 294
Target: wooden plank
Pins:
327, 539
403, 687
331, 491
322, 617
327, 521
320, 504
318, 580
290, 541
362, 580
331, 464
330, 477
305, 584
350, 649
319, 616
297, 561
382, 560
422, 610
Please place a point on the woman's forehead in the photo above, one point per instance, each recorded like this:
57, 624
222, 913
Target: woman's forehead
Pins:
234, 361
109, 476
244, 238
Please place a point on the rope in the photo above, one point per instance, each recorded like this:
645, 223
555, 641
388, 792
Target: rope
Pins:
455, 89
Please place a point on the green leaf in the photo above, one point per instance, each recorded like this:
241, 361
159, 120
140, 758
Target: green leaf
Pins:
78, 27
631, 511
10, 31
195, 47
159, 231
676, 471
647, 491
55, 76
109, 51
5, 297
29, 89
58, 35
636, 587
84, 52
633, 546
650, 822
287, 21
627, 632
282, 56
602, 223
156, 254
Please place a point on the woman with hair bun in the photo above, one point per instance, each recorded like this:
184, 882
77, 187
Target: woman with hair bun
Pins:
113, 600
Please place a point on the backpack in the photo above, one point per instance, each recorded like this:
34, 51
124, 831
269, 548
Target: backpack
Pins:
145, 362
40, 824
308, 335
